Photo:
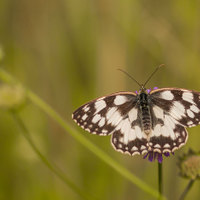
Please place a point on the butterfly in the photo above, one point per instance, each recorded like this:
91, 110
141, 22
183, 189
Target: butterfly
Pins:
148, 121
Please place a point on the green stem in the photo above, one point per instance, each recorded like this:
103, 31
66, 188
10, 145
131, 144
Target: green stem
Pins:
160, 180
186, 190
89, 145
82, 139
54, 169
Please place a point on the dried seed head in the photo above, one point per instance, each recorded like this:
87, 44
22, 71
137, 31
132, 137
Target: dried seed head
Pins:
189, 165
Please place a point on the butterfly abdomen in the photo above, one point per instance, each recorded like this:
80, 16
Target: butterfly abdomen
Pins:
145, 113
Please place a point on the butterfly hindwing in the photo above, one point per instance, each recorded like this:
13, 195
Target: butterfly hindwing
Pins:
101, 116
167, 133
161, 141
132, 141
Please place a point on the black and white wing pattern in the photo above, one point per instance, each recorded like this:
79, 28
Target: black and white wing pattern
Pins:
173, 109
166, 112
102, 116
116, 114
181, 104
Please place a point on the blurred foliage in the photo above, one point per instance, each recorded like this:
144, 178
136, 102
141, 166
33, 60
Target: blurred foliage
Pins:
67, 52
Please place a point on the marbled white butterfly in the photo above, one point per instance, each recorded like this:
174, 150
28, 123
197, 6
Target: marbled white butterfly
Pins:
142, 122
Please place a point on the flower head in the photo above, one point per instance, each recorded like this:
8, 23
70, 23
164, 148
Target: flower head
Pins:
189, 165
152, 156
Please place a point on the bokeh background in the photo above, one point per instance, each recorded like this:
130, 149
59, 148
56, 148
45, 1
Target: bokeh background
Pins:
67, 52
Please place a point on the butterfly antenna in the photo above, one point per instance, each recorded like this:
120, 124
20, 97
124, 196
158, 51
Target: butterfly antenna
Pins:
157, 68
129, 76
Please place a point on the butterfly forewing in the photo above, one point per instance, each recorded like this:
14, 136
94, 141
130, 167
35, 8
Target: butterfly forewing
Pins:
101, 116
181, 104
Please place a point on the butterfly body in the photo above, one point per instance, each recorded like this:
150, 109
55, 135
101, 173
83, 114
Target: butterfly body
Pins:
148, 121
145, 112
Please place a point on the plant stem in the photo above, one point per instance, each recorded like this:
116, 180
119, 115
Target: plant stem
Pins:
54, 169
92, 147
160, 180
6, 77
186, 190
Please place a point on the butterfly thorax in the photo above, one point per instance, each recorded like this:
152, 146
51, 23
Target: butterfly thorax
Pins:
145, 113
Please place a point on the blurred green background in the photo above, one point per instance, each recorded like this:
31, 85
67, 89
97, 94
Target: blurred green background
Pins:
67, 52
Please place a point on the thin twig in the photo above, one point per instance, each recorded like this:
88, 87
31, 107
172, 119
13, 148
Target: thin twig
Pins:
186, 190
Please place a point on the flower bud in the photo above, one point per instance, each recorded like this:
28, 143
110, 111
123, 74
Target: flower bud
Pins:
11, 96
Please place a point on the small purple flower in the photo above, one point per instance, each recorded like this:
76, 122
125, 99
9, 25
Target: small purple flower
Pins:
148, 90
156, 156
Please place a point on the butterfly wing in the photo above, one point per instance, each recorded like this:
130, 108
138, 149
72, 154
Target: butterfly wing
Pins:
102, 115
129, 138
181, 104
172, 110
116, 114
